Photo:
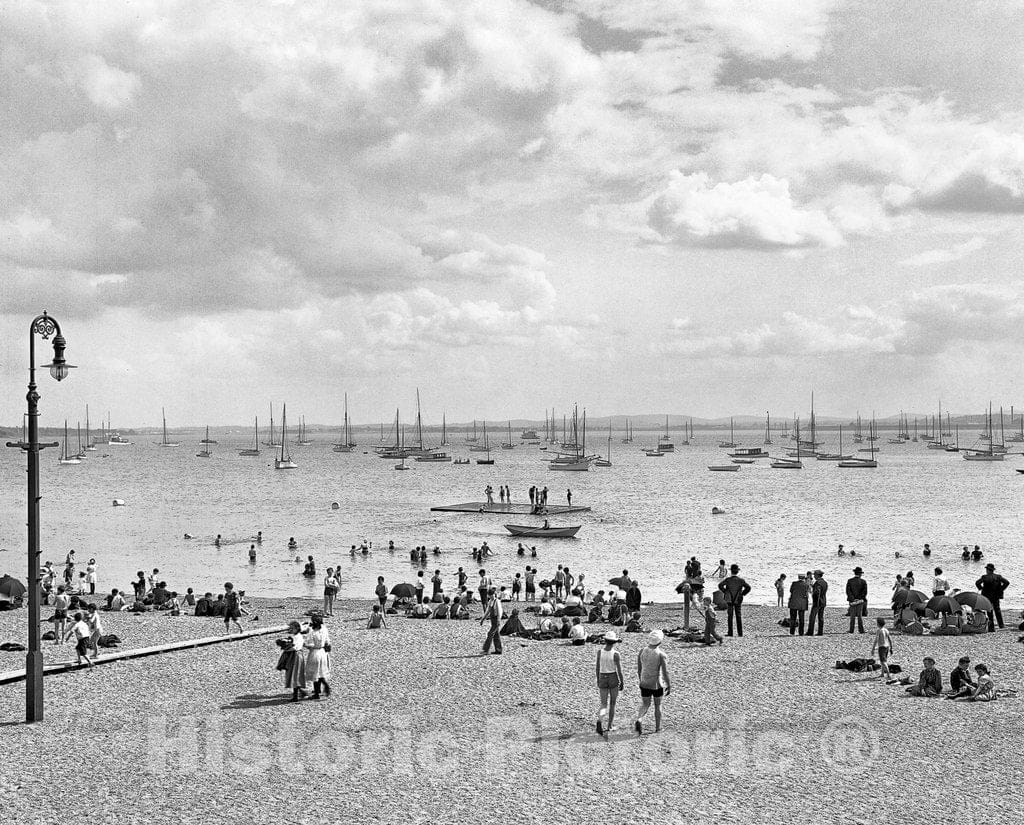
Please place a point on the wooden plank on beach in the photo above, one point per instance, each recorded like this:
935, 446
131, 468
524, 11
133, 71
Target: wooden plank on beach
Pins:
137, 653
506, 509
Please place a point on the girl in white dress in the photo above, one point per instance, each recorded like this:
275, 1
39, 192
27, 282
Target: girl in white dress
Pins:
318, 660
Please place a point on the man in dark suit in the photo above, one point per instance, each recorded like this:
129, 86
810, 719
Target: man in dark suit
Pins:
734, 589
798, 592
857, 596
819, 591
992, 587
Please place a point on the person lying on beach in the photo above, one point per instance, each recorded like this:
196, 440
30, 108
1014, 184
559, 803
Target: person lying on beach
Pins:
984, 691
376, 619
930, 681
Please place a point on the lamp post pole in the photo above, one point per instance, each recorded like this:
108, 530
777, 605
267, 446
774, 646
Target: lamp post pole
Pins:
44, 326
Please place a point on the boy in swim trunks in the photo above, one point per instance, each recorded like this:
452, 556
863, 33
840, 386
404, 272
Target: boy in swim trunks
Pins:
883, 644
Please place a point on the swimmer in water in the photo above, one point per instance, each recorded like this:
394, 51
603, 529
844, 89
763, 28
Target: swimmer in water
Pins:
842, 552
259, 537
292, 543
188, 535
216, 541
391, 546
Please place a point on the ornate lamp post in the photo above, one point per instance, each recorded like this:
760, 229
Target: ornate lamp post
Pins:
44, 326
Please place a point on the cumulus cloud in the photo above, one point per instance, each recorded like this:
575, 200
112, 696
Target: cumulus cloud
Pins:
752, 212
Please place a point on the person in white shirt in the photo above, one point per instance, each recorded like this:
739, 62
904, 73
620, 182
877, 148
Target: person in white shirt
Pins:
577, 634
883, 644
117, 602
80, 630
940, 586
545, 607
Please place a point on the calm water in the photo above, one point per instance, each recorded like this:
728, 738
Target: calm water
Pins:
649, 515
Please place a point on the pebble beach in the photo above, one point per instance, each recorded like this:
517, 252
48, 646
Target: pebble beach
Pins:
422, 728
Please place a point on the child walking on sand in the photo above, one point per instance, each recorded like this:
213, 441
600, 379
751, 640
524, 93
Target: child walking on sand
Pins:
80, 630
609, 681
883, 644
232, 608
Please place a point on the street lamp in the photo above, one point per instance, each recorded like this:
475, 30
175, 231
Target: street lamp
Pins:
44, 326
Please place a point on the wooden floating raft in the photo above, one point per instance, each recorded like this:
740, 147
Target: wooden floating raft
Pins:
137, 653
506, 509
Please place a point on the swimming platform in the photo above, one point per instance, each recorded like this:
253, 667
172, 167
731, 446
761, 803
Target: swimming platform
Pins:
524, 509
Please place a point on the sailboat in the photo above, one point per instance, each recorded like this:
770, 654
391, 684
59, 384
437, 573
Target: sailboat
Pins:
508, 445
65, 458
837, 456
255, 448
529, 435
444, 430
628, 438
90, 447
607, 461
205, 452
80, 454
346, 445
790, 463
471, 439
731, 443
577, 460
165, 442
284, 460
301, 439
864, 463
1016, 437
272, 442
397, 450
665, 442
955, 447
487, 449
767, 428
985, 455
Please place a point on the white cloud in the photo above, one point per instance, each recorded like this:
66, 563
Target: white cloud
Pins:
105, 85
751, 212
934, 257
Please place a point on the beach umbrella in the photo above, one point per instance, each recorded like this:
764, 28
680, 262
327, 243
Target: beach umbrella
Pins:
683, 587
944, 604
403, 591
975, 601
621, 582
905, 598
11, 587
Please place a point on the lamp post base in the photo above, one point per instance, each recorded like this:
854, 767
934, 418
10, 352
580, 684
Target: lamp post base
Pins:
34, 686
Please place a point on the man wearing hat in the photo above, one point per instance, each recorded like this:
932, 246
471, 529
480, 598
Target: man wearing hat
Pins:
797, 604
734, 589
992, 587
493, 613
819, 591
857, 597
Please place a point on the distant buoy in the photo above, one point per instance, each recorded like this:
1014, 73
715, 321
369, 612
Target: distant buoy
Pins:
119, 502
335, 506
717, 511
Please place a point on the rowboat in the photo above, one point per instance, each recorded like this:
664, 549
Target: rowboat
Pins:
528, 531
723, 468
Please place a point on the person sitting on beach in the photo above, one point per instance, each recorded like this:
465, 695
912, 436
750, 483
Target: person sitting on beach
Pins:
376, 620
420, 611
459, 610
514, 626
443, 609
616, 613
115, 601
189, 599
930, 681
565, 627
218, 607
160, 595
545, 607
547, 625
172, 605
960, 681
204, 606
635, 624
595, 614
504, 595
985, 690
577, 634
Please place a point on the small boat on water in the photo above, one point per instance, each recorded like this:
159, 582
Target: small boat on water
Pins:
65, 456
749, 452
743, 461
461, 461
655, 453
544, 532
255, 448
164, 442
723, 468
284, 460
206, 442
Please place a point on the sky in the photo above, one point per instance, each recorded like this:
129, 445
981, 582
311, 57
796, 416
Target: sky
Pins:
657, 206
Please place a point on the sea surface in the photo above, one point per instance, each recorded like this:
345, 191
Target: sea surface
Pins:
649, 515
